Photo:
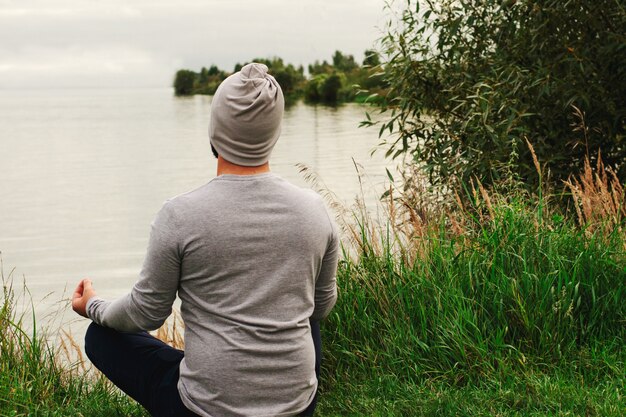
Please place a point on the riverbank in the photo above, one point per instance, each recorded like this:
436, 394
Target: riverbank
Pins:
503, 305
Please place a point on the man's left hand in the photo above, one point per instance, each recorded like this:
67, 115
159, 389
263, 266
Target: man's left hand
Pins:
81, 296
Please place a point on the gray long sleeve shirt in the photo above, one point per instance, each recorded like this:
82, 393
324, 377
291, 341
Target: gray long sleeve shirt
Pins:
252, 258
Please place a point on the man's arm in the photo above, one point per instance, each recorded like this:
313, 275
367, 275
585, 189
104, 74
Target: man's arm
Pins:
326, 284
150, 301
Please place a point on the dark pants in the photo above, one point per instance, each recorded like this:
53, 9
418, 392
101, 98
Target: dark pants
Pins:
147, 369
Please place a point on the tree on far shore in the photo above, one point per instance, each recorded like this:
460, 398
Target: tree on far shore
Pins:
342, 81
183, 82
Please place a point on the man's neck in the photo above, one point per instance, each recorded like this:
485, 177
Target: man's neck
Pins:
225, 167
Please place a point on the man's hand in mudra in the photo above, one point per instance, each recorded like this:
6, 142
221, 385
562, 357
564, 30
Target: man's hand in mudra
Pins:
82, 294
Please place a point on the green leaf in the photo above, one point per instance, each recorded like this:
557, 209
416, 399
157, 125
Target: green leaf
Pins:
389, 175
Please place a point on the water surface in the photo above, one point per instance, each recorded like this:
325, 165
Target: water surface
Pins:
85, 171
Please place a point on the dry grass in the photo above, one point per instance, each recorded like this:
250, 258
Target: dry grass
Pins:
70, 352
398, 224
598, 197
172, 332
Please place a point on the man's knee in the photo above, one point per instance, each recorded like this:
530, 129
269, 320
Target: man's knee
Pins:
94, 337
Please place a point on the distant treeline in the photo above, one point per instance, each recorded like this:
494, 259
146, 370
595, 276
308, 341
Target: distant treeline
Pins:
343, 80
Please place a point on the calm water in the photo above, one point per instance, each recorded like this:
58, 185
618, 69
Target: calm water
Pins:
85, 171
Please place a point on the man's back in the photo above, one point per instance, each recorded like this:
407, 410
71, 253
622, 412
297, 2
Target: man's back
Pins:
250, 250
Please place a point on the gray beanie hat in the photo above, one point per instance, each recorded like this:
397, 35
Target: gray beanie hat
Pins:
246, 113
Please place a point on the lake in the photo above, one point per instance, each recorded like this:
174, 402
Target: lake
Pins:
85, 171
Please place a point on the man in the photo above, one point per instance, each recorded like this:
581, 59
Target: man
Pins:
253, 260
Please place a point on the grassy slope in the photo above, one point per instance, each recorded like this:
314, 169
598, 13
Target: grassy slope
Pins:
517, 312
514, 310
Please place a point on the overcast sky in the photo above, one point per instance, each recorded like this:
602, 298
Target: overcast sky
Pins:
90, 43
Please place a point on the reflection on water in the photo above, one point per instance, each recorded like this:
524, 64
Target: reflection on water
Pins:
85, 171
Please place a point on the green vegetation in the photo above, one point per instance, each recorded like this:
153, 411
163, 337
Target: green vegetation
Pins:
184, 82
187, 82
472, 80
502, 306
342, 81
497, 300
35, 381
345, 80
290, 78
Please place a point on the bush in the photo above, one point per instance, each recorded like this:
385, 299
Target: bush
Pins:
472, 80
312, 88
329, 90
184, 82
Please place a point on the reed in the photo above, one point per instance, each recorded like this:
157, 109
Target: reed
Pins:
599, 197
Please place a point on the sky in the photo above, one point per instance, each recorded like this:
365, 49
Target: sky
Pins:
116, 43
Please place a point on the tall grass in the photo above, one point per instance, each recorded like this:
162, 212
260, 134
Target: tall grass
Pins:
497, 287
500, 303
482, 301
34, 381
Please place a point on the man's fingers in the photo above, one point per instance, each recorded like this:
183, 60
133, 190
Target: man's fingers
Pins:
83, 286
78, 292
84, 291
89, 291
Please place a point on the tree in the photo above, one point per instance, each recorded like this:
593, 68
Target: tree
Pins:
313, 87
203, 77
329, 89
324, 88
372, 58
320, 68
345, 63
473, 80
289, 79
184, 82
